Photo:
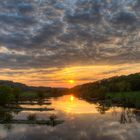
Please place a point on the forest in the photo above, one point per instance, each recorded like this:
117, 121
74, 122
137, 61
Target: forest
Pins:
119, 89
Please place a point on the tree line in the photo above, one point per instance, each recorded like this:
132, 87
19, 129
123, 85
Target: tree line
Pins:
113, 85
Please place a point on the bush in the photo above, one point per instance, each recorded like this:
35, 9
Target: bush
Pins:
6, 95
32, 117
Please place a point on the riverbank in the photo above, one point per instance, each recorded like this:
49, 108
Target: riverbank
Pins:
125, 99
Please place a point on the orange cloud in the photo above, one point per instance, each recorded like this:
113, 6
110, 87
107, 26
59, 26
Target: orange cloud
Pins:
59, 77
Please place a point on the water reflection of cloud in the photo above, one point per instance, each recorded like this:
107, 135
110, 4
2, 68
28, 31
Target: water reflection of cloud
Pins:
82, 127
3, 133
80, 131
77, 126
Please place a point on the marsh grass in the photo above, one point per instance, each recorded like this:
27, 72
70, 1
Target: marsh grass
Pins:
32, 117
128, 99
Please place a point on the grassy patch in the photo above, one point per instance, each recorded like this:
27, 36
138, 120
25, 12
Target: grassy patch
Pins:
129, 99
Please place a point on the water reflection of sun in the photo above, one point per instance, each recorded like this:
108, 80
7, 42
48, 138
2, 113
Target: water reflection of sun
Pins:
71, 104
71, 98
74, 105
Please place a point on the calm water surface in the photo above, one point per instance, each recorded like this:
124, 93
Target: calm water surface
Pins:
82, 121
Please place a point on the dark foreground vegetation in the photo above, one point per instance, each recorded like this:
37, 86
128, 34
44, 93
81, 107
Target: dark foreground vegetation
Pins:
122, 90
7, 117
11, 93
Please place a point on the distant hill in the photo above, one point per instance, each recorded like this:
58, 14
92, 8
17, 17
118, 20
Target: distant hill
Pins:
115, 84
14, 84
26, 88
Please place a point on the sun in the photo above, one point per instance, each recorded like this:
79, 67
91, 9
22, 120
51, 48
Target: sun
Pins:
71, 81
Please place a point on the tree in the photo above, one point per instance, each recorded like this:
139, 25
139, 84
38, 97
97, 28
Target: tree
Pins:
16, 92
6, 95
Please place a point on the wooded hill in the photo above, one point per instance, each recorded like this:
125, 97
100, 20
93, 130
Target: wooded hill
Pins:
114, 85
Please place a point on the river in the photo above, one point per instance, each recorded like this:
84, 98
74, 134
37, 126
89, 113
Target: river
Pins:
81, 121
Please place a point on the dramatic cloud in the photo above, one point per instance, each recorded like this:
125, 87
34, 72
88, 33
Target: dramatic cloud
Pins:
44, 34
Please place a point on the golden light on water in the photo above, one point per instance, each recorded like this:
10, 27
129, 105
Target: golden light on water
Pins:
72, 98
71, 104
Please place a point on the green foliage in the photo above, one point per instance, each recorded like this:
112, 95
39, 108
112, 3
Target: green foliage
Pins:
128, 99
16, 92
28, 95
6, 95
40, 95
99, 89
123, 90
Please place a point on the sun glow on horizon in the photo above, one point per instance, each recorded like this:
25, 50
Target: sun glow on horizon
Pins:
71, 81
68, 76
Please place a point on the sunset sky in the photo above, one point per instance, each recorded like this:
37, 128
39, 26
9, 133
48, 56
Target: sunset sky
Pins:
62, 43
